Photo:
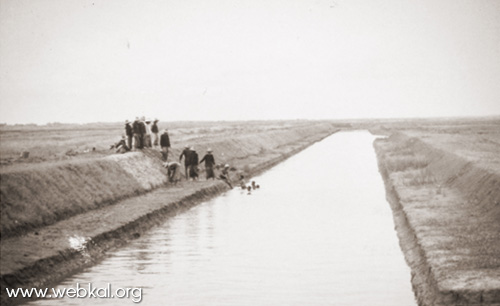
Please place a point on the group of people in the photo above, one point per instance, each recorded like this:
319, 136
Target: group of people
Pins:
191, 163
191, 167
143, 133
249, 188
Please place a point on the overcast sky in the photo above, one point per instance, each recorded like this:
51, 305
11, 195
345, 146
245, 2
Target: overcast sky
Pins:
111, 60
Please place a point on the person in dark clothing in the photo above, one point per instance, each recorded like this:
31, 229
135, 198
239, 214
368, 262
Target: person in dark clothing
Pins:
174, 171
155, 130
165, 144
186, 153
209, 164
136, 129
120, 146
241, 178
142, 129
130, 133
193, 164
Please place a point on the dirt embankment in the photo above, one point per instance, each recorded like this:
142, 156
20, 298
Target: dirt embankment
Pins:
447, 214
45, 193
75, 237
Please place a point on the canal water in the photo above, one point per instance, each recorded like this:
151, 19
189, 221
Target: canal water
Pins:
318, 231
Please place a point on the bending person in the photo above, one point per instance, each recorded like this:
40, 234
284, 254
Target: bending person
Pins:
225, 176
174, 171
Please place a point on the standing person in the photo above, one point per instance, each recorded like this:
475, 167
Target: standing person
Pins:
193, 164
165, 144
209, 164
147, 136
154, 130
136, 129
174, 171
186, 153
142, 135
130, 133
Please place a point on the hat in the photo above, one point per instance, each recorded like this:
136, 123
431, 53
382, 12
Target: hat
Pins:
192, 148
226, 166
127, 122
186, 147
209, 150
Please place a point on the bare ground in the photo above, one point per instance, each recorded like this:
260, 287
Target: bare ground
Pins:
444, 188
47, 254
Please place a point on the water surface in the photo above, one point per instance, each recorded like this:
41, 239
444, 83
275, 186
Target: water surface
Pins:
318, 232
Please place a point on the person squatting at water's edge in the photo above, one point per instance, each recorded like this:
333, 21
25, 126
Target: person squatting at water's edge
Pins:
224, 176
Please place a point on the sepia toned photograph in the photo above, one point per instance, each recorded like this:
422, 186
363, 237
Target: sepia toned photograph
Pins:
250, 153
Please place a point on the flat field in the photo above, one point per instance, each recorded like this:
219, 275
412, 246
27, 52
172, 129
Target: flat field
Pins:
57, 142
445, 174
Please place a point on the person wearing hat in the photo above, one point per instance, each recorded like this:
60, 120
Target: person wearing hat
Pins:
147, 135
193, 164
164, 144
155, 130
187, 155
120, 146
209, 164
142, 134
129, 133
136, 129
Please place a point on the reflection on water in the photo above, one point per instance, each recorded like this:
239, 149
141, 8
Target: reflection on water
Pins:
317, 232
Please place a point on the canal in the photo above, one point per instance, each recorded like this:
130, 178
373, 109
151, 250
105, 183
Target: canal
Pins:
318, 231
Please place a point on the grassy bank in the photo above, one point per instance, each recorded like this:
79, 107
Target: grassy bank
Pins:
39, 194
44, 257
450, 207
